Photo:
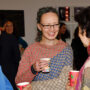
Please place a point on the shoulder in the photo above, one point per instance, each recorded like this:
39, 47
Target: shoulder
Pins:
63, 43
32, 46
35, 44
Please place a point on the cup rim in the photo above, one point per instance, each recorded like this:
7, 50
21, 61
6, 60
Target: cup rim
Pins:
22, 83
45, 59
74, 71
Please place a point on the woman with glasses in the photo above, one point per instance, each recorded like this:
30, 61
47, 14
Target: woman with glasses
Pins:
46, 46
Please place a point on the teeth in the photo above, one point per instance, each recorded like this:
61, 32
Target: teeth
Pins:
51, 33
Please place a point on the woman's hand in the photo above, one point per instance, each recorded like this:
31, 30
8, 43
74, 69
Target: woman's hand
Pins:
28, 87
39, 65
68, 87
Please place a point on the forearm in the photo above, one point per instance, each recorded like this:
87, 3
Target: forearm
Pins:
86, 79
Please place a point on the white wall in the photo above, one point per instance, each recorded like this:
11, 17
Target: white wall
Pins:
31, 7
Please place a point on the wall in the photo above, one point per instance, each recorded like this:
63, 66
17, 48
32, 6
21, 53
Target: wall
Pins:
30, 8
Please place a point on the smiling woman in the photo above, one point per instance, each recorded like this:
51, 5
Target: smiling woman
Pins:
60, 53
50, 27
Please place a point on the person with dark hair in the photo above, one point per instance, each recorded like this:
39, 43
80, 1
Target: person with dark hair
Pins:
9, 56
30, 67
79, 51
83, 19
10, 28
63, 32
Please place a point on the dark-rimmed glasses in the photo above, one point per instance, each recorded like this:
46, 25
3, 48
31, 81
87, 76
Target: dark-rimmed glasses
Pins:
55, 26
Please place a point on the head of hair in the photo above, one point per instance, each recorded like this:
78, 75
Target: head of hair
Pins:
66, 35
83, 19
15, 30
76, 32
42, 11
61, 24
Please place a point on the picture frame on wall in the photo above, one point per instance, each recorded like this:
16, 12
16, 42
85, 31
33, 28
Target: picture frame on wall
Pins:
17, 16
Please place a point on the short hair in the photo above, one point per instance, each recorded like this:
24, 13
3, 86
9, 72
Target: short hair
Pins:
83, 19
39, 15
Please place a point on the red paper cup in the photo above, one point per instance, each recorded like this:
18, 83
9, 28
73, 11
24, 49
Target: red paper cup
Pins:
73, 77
20, 86
47, 68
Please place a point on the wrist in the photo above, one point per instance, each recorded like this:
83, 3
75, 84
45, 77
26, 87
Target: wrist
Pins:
33, 70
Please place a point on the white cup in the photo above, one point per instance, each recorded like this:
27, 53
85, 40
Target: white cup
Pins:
21, 85
47, 68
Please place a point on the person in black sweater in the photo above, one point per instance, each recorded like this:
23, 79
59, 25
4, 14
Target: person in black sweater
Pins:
10, 28
9, 56
79, 51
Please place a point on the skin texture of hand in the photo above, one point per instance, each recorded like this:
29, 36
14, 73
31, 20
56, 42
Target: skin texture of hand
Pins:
29, 87
68, 87
39, 65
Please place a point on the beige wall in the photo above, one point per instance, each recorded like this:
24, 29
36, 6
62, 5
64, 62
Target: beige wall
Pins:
30, 8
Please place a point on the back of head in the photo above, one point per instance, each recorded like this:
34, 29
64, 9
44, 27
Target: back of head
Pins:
83, 19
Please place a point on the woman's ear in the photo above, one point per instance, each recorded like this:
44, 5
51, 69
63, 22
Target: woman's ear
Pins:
39, 27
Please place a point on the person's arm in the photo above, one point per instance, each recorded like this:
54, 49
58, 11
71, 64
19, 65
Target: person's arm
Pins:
24, 70
86, 79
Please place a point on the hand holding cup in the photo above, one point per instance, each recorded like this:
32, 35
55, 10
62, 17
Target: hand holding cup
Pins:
45, 64
24, 86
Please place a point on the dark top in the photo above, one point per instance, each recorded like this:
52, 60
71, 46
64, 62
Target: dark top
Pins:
22, 42
9, 56
80, 53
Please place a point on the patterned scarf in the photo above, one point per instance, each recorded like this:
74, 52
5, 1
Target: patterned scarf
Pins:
56, 65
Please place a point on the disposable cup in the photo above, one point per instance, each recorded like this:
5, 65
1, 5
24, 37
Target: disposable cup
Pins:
73, 77
21, 85
47, 68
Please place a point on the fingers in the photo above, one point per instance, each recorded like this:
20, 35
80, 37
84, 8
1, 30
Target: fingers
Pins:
39, 65
28, 87
43, 64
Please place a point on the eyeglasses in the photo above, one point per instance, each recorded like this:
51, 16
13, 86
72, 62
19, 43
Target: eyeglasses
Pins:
56, 26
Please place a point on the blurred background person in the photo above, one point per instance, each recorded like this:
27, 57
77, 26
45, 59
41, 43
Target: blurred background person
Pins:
79, 51
63, 32
9, 27
9, 56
